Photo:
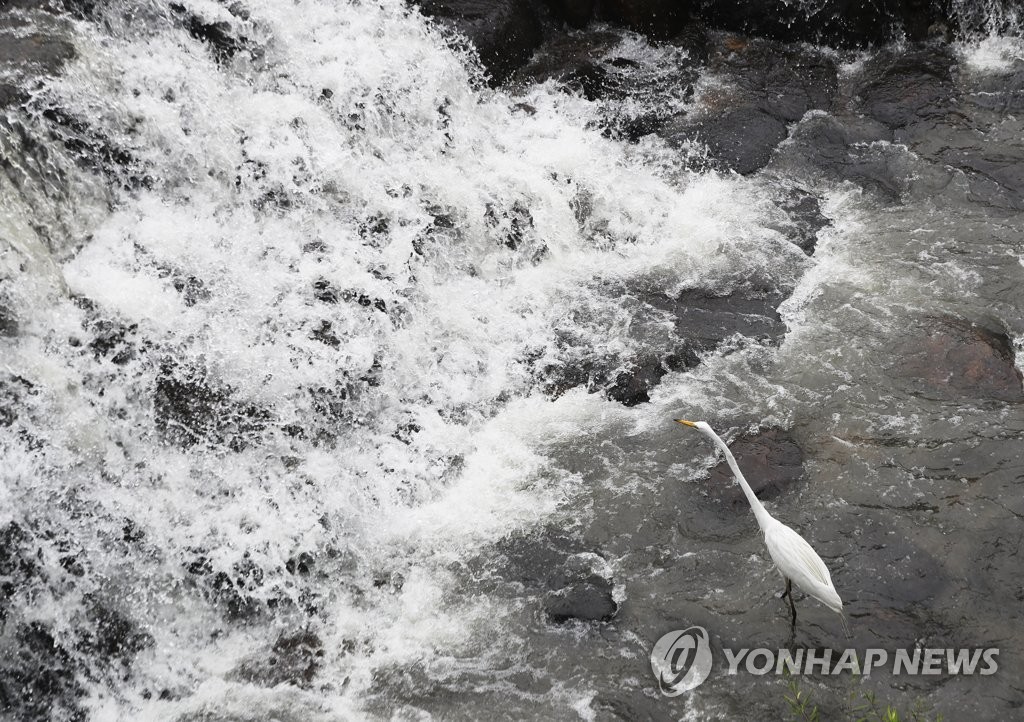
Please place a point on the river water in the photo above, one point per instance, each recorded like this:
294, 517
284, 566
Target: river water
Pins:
282, 328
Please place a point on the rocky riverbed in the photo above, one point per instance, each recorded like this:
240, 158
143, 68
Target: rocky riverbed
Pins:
341, 343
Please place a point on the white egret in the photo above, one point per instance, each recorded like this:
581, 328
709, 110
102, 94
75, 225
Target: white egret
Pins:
795, 559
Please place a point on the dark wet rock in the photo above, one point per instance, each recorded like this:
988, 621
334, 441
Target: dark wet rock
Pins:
13, 390
93, 149
570, 58
35, 53
772, 463
702, 321
585, 63
839, 22
740, 139
11, 95
958, 360
585, 601
8, 320
16, 564
324, 333
854, 149
705, 319
631, 386
224, 39
590, 80
110, 636
504, 32
234, 591
192, 289
294, 660
114, 341
325, 291
511, 226
804, 218
992, 167
302, 564
39, 679
784, 81
571, 583
190, 410
909, 87
766, 86
696, 40
659, 19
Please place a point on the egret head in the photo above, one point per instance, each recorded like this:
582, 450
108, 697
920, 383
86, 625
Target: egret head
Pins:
699, 425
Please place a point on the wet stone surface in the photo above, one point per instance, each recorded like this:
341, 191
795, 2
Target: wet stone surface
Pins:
702, 322
766, 86
952, 358
293, 660
771, 460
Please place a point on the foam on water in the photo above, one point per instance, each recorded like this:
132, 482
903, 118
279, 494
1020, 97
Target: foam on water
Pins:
340, 252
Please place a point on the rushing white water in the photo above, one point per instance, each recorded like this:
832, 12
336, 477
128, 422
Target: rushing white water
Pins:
352, 253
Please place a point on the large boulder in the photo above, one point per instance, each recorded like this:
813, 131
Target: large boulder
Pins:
908, 88
764, 87
847, 148
741, 139
954, 359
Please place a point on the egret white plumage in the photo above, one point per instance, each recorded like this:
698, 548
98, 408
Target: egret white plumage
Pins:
795, 559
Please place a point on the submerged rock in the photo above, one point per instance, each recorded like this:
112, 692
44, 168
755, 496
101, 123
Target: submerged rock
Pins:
572, 584
294, 659
804, 218
13, 390
742, 138
36, 53
701, 322
784, 81
190, 410
908, 88
849, 148
38, 678
585, 601
223, 38
955, 359
16, 565
583, 588
111, 636
771, 461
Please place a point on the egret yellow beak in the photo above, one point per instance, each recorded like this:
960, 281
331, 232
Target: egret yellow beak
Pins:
684, 422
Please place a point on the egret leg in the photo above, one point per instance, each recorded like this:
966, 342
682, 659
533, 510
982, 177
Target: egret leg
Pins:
792, 607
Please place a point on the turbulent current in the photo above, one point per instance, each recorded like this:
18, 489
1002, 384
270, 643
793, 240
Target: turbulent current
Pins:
338, 384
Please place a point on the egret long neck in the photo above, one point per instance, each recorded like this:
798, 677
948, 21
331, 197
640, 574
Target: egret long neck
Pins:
760, 513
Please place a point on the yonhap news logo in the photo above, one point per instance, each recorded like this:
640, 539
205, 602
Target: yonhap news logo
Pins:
682, 660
